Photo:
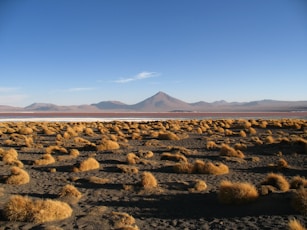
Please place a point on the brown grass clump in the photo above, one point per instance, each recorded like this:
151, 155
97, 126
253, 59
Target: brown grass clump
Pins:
86, 165
123, 221
226, 150
282, 164
18, 176
148, 180
54, 148
278, 181
237, 193
298, 182
295, 225
199, 186
128, 169
45, 160
70, 193
98, 180
201, 167
173, 157
107, 145
183, 167
269, 140
74, 152
9, 156
211, 145
132, 159
210, 168
20, 208
145, 154
168, 136
26, 131
299, 201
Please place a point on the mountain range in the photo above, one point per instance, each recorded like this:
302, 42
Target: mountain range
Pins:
162, 102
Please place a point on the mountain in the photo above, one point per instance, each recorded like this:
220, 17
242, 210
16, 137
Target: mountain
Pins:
106, 105
162, 102
47, 107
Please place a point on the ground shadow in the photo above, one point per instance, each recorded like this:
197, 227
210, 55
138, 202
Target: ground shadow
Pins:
194, 206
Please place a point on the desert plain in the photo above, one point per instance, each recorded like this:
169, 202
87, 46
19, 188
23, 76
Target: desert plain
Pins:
168, 174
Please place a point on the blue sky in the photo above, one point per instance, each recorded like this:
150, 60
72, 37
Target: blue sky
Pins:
72, 52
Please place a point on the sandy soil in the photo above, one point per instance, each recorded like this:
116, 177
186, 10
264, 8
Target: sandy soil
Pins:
174, 203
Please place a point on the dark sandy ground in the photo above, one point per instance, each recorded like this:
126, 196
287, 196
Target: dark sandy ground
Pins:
171, 205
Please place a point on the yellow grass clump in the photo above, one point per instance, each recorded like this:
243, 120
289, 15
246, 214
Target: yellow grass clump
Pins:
18, 176
128, 169
86, 165
123, 221
211, 145
278, 181
45, 160
210, 168
70, 193
107, 145
173, 157
299, 201
298, 182
9, 156
26, 131
168, 136
294, 224
21, 208
183, 167
201, 167
98, 180
145, 154
132, 159
226, 150
148, 180
237, 192
269, 140
282, 163
199, 186
53, 148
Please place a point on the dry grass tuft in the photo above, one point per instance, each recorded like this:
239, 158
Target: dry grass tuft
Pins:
168, 136
299, 201
226, 150
107, 145
237, 193
148, 180
211, 145
20, 208
128, 169
98, 180
145, 154
173, 157
298, 182
45, 160
123, 221
18, 176
86, 165
282, 164
199, 186
70, 191
55, 148
201, 167
70, 194
183, 167
295, 225
132, 159
210, 168
278, 181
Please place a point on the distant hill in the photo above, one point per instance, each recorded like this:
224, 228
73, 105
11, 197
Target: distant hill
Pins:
162, 102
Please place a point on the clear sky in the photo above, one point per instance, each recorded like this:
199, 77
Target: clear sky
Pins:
71, 52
